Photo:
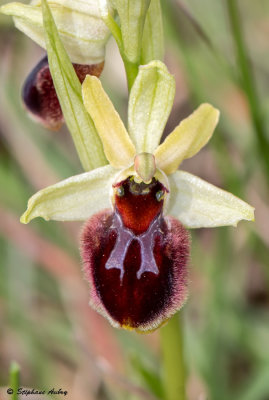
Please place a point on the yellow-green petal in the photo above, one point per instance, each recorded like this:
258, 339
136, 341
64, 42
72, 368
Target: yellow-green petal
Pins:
73, 199
118, 146
132, 15
68, 88
153, 38
81, 28
187, 138
199, 204
150, 104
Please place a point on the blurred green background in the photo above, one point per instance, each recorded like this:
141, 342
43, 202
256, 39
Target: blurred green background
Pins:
46, 324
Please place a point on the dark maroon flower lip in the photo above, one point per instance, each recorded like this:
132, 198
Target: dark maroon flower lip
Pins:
39, 95
137, 273
130, 301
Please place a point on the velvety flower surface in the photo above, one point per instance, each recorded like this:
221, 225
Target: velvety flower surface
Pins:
134, 254
137, 280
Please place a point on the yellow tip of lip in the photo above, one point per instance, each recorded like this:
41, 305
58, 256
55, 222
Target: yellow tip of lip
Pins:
127, 325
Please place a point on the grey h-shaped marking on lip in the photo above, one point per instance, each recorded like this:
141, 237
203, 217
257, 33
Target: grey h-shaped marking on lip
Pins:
124, 238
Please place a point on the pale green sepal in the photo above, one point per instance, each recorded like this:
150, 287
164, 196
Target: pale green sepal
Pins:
105, 8
187, 138
132, 15
198, 204
118, 146
68, 88
73, 199
80, 25
150, 103
153, 37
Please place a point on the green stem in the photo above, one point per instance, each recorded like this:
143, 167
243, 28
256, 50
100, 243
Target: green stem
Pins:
131, 69
173, 360
248, 82
14, 379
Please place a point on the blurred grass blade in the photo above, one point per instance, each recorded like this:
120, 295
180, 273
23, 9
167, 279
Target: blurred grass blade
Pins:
68, 88
248, 83
258, 386
150, 377
153, 39
196, 25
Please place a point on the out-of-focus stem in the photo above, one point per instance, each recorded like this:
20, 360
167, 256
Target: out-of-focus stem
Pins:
248, 83
14, 379
173, 359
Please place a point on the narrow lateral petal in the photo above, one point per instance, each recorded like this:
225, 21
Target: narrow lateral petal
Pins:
150, 103
118, 146
187, 138
73, 199
68, 89
199, 204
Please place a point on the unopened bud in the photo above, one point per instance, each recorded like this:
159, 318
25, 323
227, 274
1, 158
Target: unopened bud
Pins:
39, 95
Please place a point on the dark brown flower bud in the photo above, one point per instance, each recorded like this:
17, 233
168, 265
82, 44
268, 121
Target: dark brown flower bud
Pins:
39, 95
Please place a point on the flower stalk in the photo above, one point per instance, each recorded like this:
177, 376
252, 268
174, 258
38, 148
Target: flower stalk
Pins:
131, 68
140, 34
173, 359
14, 379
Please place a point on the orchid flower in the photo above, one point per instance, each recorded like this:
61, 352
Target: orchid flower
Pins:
80, 25
135, 246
